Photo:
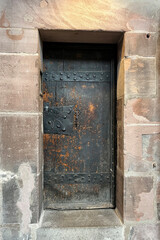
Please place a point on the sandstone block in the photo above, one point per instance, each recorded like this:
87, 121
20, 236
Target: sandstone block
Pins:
139, 199
120, 133
143, 110
141, 44
158, 198
121, 49
158, 211
140, 151
19, 40
151, 149
120, 110
140, 78
144, 232
119, 192
113, 233
120, 145
19, 142
158, 64
19, 83
120, 80
80, 225
79, 15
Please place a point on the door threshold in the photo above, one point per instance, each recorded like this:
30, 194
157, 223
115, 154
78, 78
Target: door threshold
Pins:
79, 218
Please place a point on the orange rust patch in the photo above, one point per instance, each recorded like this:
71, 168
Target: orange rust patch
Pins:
61, 100
91, 108
78, 147
66, 155
84, 86
46, 94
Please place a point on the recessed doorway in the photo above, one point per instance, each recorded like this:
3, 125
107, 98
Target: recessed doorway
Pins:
79, 125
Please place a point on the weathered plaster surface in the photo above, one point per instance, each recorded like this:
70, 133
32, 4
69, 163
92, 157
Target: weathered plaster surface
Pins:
26, 187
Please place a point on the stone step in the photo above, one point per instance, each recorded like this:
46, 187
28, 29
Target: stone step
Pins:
100, 224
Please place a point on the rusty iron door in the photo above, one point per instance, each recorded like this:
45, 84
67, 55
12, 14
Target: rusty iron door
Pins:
79, 123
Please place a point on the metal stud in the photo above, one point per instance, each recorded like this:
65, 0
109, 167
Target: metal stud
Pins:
46, 108
61, 78
75, 78
63, 129
49, 122
74, 73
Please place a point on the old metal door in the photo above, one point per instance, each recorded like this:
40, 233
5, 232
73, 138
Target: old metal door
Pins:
78, 94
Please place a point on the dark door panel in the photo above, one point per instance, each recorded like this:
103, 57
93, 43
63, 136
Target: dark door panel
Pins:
78, 99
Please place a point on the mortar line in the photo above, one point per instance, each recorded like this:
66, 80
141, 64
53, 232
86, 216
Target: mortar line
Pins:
8, 28
138, 57
139, 31
21, 113
57, 29
18, 54
142, 124
138, 174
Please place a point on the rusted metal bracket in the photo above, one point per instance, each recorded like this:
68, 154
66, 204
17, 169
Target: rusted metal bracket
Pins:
102, 76
72, 178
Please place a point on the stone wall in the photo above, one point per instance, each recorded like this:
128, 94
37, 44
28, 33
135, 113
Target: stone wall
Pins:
138, 111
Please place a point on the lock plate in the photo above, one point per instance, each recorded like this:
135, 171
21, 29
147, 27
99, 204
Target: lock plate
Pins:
58, 120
